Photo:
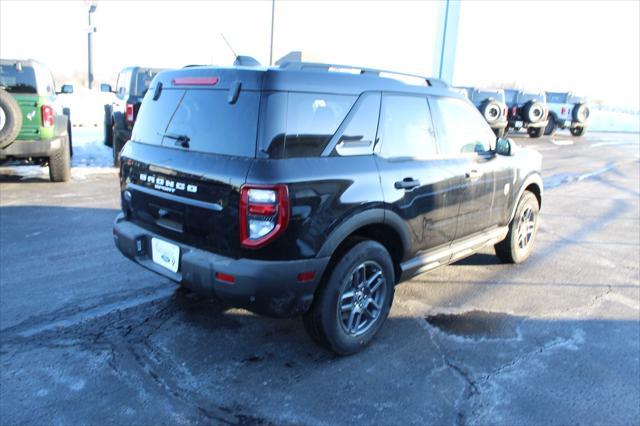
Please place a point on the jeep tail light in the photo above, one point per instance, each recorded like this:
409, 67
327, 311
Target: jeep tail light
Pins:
47, 116
504, 112
129, 114
264, 214
564, 110
514, 111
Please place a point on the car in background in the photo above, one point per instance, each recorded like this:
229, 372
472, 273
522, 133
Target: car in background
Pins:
492, 106
526, 110
120, 114
567, 111
34, 126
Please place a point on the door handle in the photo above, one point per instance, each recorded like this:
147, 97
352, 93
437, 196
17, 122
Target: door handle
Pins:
473, 174
407, 183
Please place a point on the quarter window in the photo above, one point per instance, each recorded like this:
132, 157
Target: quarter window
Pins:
359, 134
405, 127
461, 128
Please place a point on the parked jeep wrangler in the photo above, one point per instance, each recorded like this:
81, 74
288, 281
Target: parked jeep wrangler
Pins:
34, 127
527, 110
120, 115
492, 106
567, 111
305, 190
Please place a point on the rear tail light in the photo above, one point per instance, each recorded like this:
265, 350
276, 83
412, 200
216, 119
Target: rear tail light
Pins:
47, 116
514, 111
564, 110
129, 113
264, 214
504, 112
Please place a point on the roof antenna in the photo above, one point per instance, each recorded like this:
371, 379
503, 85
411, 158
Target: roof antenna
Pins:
235, 55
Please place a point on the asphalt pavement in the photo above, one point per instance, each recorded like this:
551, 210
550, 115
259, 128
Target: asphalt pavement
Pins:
87, 337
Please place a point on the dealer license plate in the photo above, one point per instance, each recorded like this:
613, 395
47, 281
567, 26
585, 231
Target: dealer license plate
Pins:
165, 254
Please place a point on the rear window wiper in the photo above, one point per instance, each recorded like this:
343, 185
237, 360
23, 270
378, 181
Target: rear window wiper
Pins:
182, 140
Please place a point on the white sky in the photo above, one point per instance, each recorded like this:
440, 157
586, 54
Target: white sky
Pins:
590, 47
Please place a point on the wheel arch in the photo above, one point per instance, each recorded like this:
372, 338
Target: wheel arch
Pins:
532, 183
380, 225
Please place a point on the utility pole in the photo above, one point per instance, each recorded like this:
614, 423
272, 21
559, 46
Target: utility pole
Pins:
90, 31
446, 40
273, 10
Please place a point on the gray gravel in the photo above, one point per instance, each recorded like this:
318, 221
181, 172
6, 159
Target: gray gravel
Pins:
88, 337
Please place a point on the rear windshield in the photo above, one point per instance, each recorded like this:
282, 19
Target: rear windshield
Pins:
14, 81
144, 81
203, 117
481, 95
556, 98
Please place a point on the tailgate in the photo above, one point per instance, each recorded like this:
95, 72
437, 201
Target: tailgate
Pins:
189, 197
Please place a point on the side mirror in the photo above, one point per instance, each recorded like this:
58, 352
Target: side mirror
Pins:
503, 147
67, 89
106, 88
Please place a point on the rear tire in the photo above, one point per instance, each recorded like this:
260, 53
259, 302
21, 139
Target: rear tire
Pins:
116, 146
519, 242
535, 132
578, 131
60, 162
67, 112
354, 300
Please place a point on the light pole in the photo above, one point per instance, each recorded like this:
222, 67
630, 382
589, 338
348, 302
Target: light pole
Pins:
273, 9
90, 31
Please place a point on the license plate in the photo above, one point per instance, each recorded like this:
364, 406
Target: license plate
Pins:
518, 124
165, 254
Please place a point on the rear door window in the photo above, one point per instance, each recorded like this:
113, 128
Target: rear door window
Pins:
301, 124
14, 81
405, 127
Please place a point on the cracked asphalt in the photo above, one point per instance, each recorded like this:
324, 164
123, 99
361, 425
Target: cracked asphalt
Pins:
87, 337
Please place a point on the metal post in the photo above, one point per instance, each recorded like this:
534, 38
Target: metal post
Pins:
90, 31
273, 10
446, 40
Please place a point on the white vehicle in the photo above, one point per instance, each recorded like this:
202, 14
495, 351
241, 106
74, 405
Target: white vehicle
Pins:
567, 111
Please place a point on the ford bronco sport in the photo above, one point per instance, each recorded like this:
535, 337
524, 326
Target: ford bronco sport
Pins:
120, 115
311, 189
34, 127
567, 111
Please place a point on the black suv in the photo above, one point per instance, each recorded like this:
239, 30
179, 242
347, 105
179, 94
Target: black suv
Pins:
120, 115
312, 189
527, 110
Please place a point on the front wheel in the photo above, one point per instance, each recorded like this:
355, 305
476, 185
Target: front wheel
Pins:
518, 244
354, 300
551, 128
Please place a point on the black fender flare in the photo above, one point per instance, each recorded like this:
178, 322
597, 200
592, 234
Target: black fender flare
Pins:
533, 178
368, 217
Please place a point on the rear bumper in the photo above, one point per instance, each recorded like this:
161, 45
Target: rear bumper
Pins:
501, 124
35, 148
265, 287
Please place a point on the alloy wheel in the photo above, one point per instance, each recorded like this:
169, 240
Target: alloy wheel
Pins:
362, 298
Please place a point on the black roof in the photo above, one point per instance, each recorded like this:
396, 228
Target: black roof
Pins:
310, 77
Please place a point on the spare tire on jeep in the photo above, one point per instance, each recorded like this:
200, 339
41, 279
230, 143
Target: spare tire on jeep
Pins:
580, 113
491, 110
10, 119
533, 111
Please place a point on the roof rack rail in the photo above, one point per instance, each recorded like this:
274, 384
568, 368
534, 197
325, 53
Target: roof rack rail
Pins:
317, 66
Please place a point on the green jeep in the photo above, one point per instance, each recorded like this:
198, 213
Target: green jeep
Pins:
34, 128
